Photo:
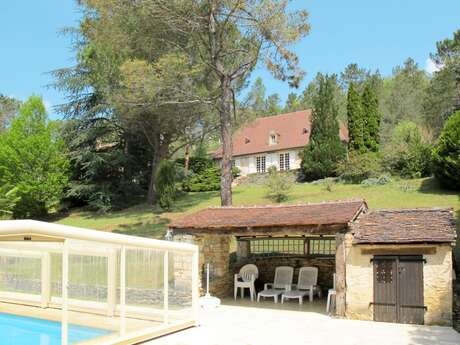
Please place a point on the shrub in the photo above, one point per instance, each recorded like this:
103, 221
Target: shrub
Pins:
207, 180
196, 165
166, 184
360, 167
376, 181
278, 185
408, 154
446, 154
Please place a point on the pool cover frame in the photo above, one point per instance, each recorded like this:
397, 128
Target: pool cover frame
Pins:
17, 231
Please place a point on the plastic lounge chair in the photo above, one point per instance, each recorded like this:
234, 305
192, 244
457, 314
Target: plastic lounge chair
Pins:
330, 293
245, 280
281, 283
306, 285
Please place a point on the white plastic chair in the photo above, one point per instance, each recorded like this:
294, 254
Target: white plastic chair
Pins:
245, 279
281, 283
306, 285
330, 293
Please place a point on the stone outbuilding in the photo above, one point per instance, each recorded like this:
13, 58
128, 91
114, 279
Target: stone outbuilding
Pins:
390, 265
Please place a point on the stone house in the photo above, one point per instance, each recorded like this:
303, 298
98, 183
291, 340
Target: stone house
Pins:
273, 141
390, 265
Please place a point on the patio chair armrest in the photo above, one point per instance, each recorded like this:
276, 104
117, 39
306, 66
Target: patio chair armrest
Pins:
288, 287
268, 286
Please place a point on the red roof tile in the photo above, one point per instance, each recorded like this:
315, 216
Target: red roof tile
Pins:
292, 130
221, 218
405, 226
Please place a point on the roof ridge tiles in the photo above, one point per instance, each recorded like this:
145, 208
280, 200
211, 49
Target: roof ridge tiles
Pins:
349, 201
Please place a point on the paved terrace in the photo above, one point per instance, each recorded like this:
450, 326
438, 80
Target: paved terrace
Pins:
242, 325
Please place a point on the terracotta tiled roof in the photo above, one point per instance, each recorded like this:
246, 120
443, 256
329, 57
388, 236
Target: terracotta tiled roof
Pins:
405, 226
221, 218
292, 131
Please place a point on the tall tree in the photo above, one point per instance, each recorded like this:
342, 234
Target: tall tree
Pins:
325, 149
272, 104
232, 38
444, 91
32, 159
353, 74
355, 120
8, 108
371, 116
127, 74
293, 103
256, 97
402, 95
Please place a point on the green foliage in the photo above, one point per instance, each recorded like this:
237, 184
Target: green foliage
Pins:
206, 180
325, 150
278, 185
355, 120
359, 167
408, 154
197, 164
166, 184
446, 154
371, 116
8, 108
32, 159
8, 200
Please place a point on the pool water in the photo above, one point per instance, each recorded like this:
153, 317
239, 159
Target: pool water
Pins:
21, 330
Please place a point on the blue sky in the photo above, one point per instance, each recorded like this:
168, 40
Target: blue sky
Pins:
374, 34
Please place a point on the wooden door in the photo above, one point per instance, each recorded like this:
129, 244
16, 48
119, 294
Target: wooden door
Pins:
410, 286
398, 289
385, 289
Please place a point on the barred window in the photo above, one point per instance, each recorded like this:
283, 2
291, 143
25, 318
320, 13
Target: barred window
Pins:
284, 161
260, 164
324, 246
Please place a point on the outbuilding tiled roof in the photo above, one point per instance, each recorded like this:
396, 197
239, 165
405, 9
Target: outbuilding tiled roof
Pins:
292, 130
224, 218
405, 226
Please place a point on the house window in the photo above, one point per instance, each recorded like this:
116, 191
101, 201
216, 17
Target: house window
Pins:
300, 246
233, 163
273, 139
284, 161
260, 164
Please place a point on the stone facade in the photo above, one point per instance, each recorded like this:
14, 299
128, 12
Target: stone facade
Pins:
437, 279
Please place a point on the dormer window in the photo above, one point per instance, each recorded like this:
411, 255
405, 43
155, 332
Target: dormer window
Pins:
273, 138
247, 141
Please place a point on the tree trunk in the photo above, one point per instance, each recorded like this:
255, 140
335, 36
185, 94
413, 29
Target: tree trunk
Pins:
152, 192
225, 113
187, 159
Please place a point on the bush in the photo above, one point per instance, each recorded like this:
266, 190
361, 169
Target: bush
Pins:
278, 185
376, 181
166, 184
197, 165
360, 167
207, 180
446, 154
407, 154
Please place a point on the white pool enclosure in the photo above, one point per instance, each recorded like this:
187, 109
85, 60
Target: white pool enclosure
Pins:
136, 288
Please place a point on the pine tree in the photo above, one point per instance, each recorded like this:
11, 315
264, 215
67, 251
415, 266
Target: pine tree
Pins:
325, 150
355, 120
371, 115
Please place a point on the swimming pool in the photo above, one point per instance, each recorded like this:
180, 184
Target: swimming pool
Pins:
22, 330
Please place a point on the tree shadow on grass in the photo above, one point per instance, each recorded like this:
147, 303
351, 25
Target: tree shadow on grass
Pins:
432, 186
155, 228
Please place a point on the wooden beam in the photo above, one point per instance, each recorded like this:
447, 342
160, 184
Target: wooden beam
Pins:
398, 250
340, 275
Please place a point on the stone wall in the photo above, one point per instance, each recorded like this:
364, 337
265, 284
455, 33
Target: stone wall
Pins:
215, 250
437, 278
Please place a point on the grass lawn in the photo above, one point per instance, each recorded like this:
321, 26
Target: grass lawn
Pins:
142, 220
